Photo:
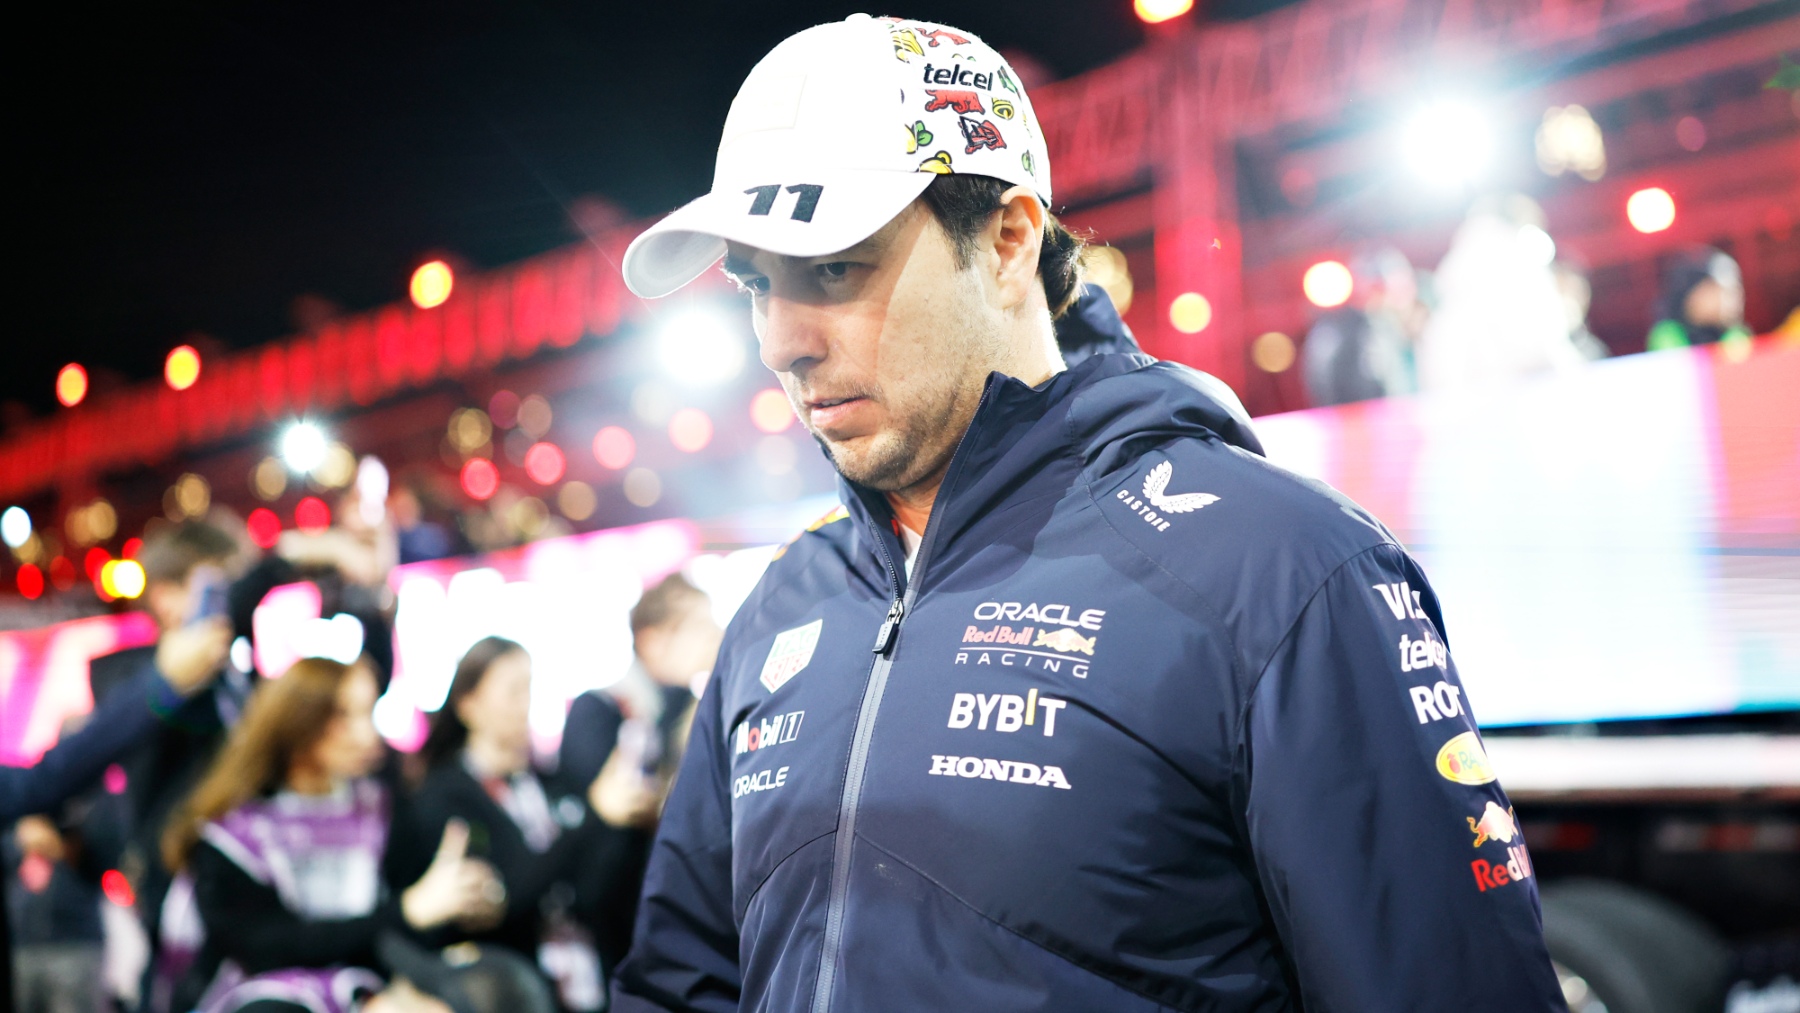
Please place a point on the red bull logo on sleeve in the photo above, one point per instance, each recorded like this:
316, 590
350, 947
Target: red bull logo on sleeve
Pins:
1464, 761
1492, 875
1495, 824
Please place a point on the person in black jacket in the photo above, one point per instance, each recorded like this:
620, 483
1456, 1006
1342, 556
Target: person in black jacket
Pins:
297, 859
564, 870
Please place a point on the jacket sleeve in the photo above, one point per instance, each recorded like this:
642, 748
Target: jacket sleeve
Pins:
126, 717
1394, 872
247, 922
588, 738
684, 956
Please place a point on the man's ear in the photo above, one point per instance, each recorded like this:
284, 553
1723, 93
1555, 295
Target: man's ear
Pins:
1018, 237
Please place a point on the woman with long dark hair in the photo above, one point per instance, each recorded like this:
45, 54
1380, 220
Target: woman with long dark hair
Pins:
561, 865
297, 865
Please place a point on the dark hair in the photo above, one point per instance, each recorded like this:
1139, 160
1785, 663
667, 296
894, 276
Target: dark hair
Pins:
448, 733
171, 553
963, 204
663, 602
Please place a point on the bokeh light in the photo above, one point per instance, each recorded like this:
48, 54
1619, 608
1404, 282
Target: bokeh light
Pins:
182, 367
1152, 12
614, 448
303, 447
1568, 140
690, 430
130, 549
1447, 144
122, 578
265, 527
1190, 313
336, 468
480, 479
30, 581
15, 526
1327, 283
770, 410
535, 416
190, 496
1273, 352
544, 463
503, 409
431, 284
71, 385
95, 559
311, 515
269, 478
470, 430
700, 347
1651, 209
643, 487
62, 573
577, 500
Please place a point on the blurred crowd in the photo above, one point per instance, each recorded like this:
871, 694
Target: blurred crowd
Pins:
1501, 306
217, 838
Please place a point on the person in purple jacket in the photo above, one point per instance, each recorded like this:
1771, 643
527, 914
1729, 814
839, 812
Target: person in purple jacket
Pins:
1076, 703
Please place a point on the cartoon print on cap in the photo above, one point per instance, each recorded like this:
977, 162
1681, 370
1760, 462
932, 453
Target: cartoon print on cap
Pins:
917, 136
1025, 161
960, 100
938, 163
1002, 109
1007, 82
937, 34
980, 134
906, 44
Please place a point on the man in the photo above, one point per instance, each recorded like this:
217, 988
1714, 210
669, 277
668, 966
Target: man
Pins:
1078, 704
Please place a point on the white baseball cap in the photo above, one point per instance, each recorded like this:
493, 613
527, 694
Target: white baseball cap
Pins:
834, 133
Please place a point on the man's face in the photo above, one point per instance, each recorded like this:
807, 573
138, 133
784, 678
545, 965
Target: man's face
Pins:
883, 348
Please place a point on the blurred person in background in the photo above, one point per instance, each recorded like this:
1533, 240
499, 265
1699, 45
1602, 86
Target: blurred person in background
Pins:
1499, 316
1577, 296
425, 524
1701, 303
55, 938
299, 858
560, 867
1365, 350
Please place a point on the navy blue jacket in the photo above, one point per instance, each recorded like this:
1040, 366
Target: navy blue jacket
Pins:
121, 721
1152, 725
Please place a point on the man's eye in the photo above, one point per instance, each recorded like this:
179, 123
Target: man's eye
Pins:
835, 269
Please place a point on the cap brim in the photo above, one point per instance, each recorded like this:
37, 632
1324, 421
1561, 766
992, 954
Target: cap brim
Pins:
851, 206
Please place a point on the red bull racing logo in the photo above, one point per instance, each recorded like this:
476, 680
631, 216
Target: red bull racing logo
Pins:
1495, 824
1067, 641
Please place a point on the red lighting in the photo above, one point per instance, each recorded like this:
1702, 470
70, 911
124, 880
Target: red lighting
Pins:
117, 888
31, 582
544, 463
182, 367
95, 559
130, 549
770, 410
1650, 209
480, 479
311, 515
691, 430
265, 527
1152, 12
71, 385
614, 447
62, 573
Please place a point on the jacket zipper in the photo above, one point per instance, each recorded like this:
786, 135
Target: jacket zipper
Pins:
885, 639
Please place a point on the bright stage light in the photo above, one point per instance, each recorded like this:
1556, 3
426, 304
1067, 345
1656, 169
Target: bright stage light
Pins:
1650, 209
15, 526
700, 348
182, 367
431, 284
1152, 12
303, 447
1190, 313
1327, 283
71, 384
1448, 143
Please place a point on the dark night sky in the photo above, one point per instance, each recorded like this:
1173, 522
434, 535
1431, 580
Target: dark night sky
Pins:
193, 168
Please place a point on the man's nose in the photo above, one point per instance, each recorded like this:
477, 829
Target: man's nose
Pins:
793, 335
